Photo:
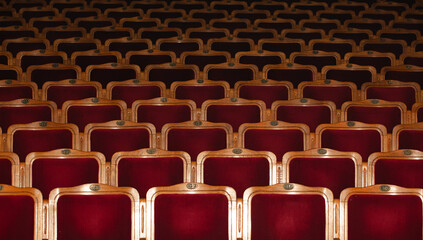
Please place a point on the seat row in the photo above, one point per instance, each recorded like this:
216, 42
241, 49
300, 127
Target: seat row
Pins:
200, 211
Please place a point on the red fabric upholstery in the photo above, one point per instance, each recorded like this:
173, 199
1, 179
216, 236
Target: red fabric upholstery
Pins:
17, 217
260, 61
159, 115
27, 61
377, 62
384, 217
342, 49
295, 76
357, 37
85, 60
131, 93
194, 141
154, 35
16, 47
191, 217
277, 141
70, 48
405, 76
286, 216
238, 173
204, 35
109, 141
364, 142
94, 217
410, 139
27, 114
179, 47
145, 173
202, 60
143, 60
82, 115
12, 93
8, 74
310, 115
388, 116
268, 94
336, 94
168, 76
357, 76
61, 94
400, 172
104, 76
394, 48
231, 46
333, 173
104, 35
233, 114
231, 75
199, 93
13, 34
50, 173
40, 76
286, 48
5, 171
406, 95
256, 36
306, 36
124, 47
416, 61
27, 141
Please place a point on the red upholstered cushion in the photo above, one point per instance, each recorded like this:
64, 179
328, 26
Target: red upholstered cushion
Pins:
285, 216
277, 141
401, 172
406, 95
231, 75
295, 76
145, 173
364, 142
11, 93
5, 171
168, 76
17, 217
388, 116
94, 217
357, 76
104, 76
40, 76
194, 141
27, 141
82, 115
109, 141
268, 94
410, 139
310, 115
338, 94
333, 173
61, 94
234, 114
18, 115
377, 62
48, 173
199, 93
131, 93
405, 76
159, 115
384, 217
191, 217
238, 173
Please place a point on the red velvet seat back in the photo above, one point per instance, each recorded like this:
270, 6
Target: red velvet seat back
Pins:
400, 172
387, 116
199, 93
70, 48
23, 114
168, 76
407, 95
260, 61
17, 217
202, 60
145, 173
153, 35
16, 47
82, 115
104, 76
159, 115
105, 35
5, 171
179, 47
410, 139
9, 74
27, 61
333, 173
124, 47
380, 217
61, 94
285, 216
357, 76
27, 141
84, 61
394, 48
12, 93
256, 35
310, 115
131, 93
235, 115
377, 62
405, 76
278, 141
286, 48
295, 76
13, 34
94, 217
336, 94
306, 36
341, 48
194, 141
364, 142
230, 25
143, 60
238, 173
231, 46
191, 216
206, 35
40, 76
110, 141
231, 75
50, 173
268, 94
